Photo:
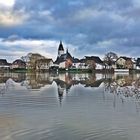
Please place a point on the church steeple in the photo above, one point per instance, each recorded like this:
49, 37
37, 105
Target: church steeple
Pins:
60, 49
61, 46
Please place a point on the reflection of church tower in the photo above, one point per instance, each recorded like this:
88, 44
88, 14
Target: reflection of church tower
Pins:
60, 49
60, 94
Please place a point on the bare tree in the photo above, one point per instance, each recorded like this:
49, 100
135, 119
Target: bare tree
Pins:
31, 59
91, 64
110, 58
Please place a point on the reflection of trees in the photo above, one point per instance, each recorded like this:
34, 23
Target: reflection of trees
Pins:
126, 86
110, 84
37, 80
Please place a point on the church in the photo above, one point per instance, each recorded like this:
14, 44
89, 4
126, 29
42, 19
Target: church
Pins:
64, 59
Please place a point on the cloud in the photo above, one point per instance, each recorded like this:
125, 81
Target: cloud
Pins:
12, 38
12, 18
17, 47
87, 27
7, 3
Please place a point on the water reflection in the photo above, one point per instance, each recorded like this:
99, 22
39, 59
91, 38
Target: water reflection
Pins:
41, 106
37, 80
123, 85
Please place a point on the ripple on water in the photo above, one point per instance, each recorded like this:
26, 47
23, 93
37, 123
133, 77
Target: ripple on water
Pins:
28, 102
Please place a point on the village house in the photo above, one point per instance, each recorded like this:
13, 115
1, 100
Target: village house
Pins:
4, 65
18, 64
64, 60
44, 64
79, 64
124, 63
89, 62
94, 62
75, 64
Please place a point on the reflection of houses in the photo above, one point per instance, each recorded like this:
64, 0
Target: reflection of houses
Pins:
124, 63
8, 80
64, 60
44, 64
18, 64
65, 82
84, 79
16, 77
36, 81
93, 82
4, 65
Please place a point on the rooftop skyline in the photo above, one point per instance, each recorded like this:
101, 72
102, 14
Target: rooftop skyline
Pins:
91, 27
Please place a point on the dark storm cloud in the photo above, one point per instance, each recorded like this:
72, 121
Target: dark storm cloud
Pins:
90, 26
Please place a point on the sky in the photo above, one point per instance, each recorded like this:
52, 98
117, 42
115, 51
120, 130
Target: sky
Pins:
86, 27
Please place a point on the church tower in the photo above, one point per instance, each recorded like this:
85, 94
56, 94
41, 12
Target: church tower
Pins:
60, 49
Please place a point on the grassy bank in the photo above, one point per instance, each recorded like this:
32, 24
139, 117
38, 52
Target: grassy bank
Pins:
18, 70
103, 71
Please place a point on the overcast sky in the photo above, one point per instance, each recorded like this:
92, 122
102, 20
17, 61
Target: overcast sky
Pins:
86, 27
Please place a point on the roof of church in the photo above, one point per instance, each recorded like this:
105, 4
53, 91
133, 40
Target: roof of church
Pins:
61, 46
63, 58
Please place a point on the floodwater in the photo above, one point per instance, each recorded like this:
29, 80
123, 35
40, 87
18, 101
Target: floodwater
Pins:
69, 106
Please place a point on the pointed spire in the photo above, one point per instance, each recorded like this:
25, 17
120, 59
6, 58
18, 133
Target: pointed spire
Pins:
61, 46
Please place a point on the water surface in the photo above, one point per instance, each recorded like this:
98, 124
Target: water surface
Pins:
69, 107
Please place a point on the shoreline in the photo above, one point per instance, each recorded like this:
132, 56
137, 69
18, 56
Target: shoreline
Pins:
103, 71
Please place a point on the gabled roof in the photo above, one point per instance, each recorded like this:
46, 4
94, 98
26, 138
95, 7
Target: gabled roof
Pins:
76, 60
124, 57
19, 61
95, 58
3, 62
63, 58
82, 60
59, 60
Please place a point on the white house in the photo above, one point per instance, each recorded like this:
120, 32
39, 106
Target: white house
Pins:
96, 60
4, 65
44, 64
